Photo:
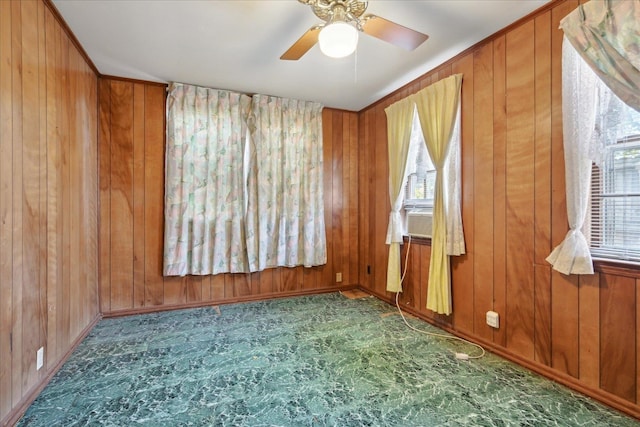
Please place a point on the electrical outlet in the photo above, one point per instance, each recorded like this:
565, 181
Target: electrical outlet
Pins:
493, 319
40, 358
338, 277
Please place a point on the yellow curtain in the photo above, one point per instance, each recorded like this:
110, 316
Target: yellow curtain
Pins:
399, 120
437, 109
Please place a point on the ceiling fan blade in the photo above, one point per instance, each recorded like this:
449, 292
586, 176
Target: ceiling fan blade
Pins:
393, 33
303, 44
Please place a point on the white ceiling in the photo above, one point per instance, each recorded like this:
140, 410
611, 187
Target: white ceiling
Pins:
236, 45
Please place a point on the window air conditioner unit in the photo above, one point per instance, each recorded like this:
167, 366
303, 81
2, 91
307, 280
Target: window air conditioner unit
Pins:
419, 223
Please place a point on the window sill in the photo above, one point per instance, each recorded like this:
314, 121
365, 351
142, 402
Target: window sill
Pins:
417, 207
600, 265
616, 267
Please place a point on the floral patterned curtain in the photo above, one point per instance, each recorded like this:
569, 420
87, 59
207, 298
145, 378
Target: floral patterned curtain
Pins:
606, 34
285, 220
600, 49
204, 188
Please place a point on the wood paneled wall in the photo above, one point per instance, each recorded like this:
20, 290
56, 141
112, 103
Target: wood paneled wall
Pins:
48, 198
57, 118
132, 141
581, 330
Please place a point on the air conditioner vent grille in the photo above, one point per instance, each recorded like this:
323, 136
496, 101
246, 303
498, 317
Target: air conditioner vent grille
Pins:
419, 224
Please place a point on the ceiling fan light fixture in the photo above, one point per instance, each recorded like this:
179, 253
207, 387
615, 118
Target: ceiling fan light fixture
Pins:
338, 39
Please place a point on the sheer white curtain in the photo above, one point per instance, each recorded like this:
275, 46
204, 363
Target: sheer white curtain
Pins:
438, 108
204, 188
399, 123
285, 220
600, 55
580, 91
452, 195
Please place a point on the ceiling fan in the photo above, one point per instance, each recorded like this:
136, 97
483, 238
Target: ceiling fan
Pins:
343, 20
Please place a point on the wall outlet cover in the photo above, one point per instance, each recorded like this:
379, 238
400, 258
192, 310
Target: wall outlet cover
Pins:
40, 358
493, 319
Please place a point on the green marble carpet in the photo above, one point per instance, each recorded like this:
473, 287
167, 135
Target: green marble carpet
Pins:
321, 360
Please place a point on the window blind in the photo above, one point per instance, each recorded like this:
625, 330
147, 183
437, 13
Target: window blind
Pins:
615, 202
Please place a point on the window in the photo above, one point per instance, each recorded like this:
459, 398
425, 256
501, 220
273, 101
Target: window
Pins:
221, 217
420, 187
615, 186
421, 174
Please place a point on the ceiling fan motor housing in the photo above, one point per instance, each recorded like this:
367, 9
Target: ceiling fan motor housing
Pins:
338, 10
